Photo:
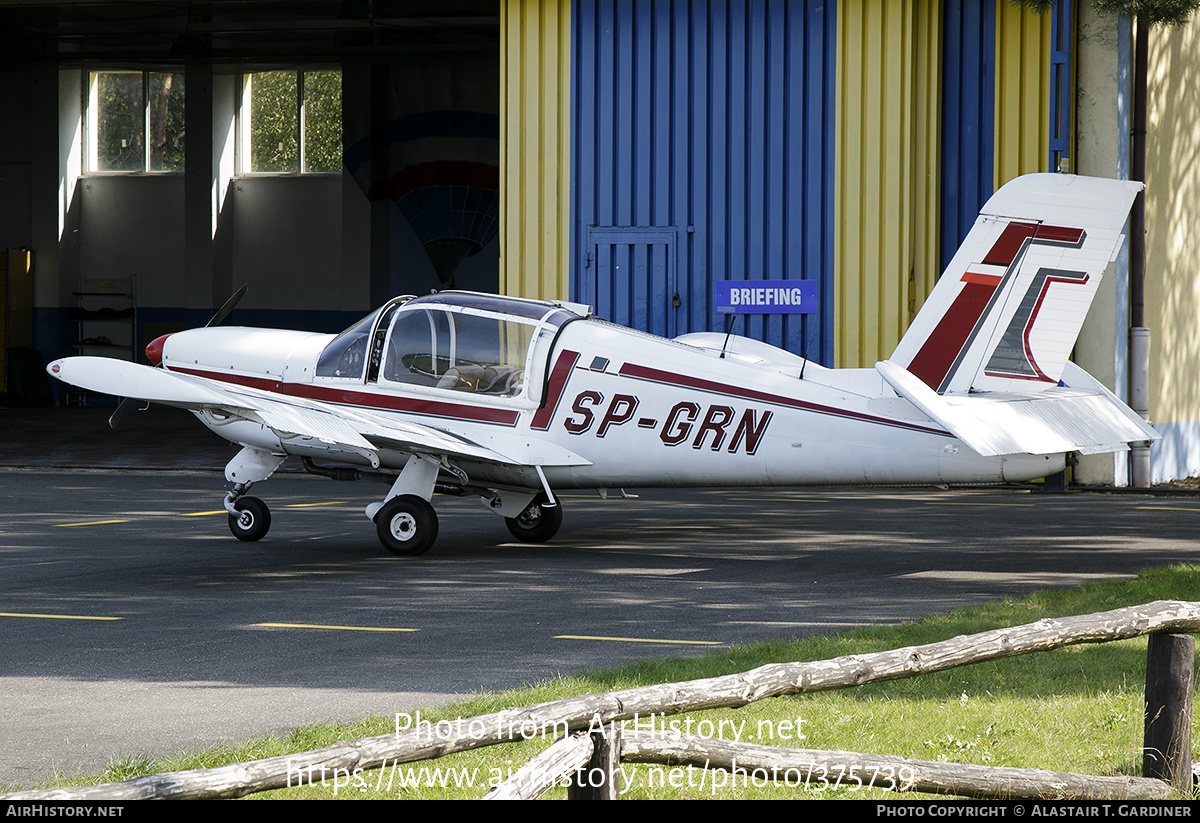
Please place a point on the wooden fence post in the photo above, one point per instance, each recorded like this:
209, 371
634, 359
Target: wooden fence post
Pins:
600, 779
1168, 740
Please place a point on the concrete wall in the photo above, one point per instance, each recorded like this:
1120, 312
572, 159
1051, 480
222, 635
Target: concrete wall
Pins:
134, 226
1102, 150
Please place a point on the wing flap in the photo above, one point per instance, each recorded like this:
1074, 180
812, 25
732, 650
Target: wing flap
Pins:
1084, 417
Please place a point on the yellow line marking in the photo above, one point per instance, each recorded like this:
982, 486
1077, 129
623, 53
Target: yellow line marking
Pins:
638, 640
1166, 509
59, 616
929, 503
335, 628
288, 506
92, 523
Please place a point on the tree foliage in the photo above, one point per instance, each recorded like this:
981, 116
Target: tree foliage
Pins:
274, 122
1153, 12
275, 100
126, 102
323, 121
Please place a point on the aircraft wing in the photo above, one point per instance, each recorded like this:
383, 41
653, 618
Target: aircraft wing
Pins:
1082, 416
333, 428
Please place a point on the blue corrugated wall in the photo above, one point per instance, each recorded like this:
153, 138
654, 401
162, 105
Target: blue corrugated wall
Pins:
968, 116
702, 150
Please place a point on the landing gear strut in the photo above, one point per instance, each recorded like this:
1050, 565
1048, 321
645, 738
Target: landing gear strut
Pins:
249, 517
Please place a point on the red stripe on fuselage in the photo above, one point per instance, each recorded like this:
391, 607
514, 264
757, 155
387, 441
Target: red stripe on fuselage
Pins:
558, 382
699, 383
349, 397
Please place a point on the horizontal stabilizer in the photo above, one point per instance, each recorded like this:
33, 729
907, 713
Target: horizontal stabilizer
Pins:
1081, 417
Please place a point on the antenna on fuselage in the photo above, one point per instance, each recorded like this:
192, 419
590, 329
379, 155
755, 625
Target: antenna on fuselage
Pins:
728, 331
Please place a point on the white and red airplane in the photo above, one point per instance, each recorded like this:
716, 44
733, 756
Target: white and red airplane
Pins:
510, 399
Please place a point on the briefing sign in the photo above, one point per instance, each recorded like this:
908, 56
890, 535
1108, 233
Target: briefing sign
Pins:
766, 296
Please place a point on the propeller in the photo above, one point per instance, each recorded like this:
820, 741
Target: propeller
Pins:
129, 405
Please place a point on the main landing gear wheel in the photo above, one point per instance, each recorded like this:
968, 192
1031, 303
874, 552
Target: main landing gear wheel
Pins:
252, 521
538, 523
407, 525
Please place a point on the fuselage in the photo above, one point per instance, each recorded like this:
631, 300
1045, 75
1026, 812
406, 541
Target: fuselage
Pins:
628, 408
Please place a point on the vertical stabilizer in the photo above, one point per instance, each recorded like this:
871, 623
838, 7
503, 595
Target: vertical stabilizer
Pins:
1005, 314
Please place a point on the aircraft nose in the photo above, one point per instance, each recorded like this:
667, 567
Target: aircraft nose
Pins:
154, 352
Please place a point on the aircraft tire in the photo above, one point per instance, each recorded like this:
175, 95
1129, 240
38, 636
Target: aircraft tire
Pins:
536, 524
254, 521
407, 525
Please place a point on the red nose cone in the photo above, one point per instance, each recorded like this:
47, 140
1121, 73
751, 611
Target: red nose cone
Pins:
154, 351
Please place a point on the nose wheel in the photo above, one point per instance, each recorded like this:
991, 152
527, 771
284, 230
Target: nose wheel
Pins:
537, 523
252, 519
407, 525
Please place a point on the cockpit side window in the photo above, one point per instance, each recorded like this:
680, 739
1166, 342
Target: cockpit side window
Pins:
458, 351
413, 348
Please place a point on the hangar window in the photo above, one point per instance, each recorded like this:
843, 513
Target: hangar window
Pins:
135, 121
291, 122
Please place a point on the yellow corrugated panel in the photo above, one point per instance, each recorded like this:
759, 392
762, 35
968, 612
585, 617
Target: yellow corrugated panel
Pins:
1022, 92
535, 110
927, 187
1172, 218
886, 197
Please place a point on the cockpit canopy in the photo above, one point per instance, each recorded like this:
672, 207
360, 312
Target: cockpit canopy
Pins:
458, 341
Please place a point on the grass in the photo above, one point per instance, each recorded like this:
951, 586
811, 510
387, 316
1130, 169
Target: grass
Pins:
1077, 709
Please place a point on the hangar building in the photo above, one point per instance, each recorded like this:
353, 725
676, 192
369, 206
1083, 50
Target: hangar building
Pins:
626, 154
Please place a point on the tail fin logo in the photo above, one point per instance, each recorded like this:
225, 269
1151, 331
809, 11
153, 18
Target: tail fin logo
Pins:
983, 284
1013, 356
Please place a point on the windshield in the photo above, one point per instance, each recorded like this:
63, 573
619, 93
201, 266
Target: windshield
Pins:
346, 354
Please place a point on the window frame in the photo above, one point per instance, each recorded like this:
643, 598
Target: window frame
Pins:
244, 126
91, 108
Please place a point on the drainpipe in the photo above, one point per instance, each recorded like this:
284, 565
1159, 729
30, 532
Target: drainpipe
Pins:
1139, 335
1139, 401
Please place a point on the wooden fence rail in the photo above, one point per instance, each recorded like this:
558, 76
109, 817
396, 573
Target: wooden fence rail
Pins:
729, 691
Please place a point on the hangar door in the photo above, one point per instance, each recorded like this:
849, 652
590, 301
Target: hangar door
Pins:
629, 277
